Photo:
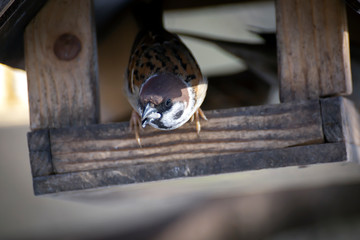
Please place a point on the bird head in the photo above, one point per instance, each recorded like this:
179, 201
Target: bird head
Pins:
165, 102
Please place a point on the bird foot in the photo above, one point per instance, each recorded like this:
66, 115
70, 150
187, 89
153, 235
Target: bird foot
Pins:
135, 125
197, 115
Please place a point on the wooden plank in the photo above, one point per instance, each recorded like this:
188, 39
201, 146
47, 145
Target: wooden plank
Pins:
4, 6
61, 65
341, 122
137, 173
14, 16
39, 151
313, 49
227, 131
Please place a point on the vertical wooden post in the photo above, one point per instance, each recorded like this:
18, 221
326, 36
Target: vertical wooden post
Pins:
61, 65
313, 49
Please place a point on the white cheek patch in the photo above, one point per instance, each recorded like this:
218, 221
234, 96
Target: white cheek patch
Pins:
178, 114
170, 118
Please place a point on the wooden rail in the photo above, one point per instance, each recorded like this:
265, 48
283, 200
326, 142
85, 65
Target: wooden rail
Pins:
69, 150
241, 139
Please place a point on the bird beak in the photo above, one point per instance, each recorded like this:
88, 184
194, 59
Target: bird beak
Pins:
149, 114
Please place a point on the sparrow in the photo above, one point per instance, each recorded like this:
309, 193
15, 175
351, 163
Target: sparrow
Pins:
164, 84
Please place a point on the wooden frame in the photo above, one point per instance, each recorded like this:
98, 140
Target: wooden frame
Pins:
67, 159
70, 151
312, 64
61, 65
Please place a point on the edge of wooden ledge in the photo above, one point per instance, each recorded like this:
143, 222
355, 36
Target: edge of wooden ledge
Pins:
334, 120
130, 174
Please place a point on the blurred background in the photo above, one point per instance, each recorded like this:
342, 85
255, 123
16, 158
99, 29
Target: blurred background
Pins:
308, 202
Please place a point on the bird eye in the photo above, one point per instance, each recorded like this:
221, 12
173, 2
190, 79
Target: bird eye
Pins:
168, 102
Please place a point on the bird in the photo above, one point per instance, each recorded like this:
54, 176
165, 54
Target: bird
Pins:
164, 84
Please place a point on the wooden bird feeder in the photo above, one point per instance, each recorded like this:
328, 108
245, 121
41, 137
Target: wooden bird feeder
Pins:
71, 151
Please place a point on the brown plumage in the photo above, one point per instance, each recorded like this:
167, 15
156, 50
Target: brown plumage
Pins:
164, 84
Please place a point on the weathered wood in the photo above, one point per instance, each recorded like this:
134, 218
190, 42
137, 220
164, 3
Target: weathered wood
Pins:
39, 151
5, 6
341, 123
341, 120
232, 140
313, 49
137, 173
14, 16
61, 65
227, 131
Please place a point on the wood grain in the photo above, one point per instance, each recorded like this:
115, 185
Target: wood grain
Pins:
341, 122
39, 152
14, 16
62, 92
145, 172
227, 131
313, 49
4, 6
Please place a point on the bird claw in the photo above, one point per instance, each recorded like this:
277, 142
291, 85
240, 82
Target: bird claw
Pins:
197, 115
202, 114
135, 125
